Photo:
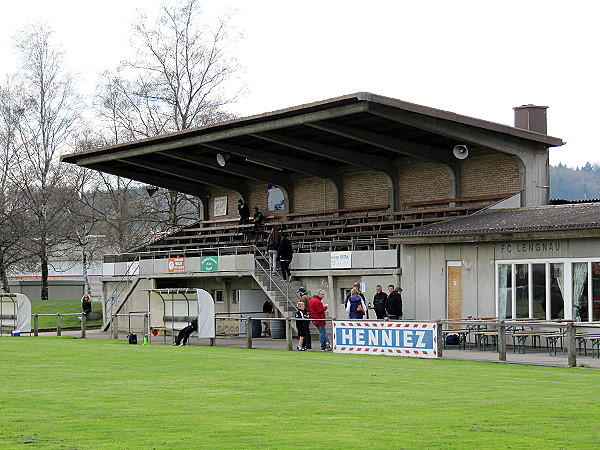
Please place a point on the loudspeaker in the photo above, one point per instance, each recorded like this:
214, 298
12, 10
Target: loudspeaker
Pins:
222, 159
460, 151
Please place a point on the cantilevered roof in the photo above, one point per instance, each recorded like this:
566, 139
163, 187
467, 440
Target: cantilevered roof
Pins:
556, 221
324, 139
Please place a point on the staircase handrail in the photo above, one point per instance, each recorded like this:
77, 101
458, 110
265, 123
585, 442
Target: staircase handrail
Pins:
122, 284
269, 274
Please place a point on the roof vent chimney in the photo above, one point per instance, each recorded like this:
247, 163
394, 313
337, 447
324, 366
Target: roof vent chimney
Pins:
532, 118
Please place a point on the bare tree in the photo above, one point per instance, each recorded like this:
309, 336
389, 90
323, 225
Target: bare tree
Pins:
182, 76
50, 114
12, 220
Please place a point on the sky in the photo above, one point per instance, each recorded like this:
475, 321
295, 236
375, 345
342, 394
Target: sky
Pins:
476, 58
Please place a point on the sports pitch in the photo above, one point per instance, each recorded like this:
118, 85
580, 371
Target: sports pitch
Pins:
79, 394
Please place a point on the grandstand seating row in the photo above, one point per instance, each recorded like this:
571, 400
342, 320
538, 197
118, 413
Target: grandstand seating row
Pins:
333, 229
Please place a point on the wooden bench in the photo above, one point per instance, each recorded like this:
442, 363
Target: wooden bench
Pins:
489, 199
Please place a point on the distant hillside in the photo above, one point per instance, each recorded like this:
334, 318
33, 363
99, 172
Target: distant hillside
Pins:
575, 184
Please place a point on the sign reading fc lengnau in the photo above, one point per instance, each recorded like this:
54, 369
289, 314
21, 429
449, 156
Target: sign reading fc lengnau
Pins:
386, 338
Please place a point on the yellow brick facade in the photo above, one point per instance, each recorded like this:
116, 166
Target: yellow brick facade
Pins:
487, 175
362, 189
423, 182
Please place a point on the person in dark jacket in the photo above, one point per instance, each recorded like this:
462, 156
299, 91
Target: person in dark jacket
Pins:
184, 334
244, 212
86, 304
393, 305
379, 302
305, 298
302, 325
285, 254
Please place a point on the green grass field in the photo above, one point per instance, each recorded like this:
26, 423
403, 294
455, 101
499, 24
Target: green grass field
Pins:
83, 393
62, 307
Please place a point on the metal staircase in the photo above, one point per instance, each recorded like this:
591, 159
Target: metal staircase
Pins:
283, 294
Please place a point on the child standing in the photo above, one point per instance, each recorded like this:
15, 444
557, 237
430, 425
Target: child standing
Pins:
302, 325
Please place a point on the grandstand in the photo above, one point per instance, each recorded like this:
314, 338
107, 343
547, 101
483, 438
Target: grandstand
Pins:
352, 172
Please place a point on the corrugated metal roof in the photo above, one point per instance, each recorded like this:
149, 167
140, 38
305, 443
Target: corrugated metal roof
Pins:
540, 218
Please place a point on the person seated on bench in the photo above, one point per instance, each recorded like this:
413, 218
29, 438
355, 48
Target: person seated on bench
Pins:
86, 304
184, 334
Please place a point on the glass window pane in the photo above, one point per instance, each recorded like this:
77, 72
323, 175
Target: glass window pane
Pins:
580, 291
539, 290
504, 291
557, 287
522, 286
596, 290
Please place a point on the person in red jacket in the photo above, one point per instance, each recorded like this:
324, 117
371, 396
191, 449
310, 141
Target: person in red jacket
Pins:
317, 310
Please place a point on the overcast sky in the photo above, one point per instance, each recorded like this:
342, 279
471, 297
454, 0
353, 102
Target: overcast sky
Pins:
477, 58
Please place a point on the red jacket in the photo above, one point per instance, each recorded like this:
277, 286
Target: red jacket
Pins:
317, 310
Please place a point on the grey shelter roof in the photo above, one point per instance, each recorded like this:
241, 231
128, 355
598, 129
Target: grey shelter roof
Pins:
550, 222
323, 139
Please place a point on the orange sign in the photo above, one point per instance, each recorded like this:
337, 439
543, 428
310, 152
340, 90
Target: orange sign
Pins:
176, 265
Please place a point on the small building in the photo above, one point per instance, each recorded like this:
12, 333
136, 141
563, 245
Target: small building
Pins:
534, 262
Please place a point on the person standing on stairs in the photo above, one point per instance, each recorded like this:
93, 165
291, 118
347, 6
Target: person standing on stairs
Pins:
285, 253
272, 249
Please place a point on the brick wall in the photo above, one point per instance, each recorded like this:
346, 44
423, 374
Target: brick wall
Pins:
422, 182
482, 175
232, 202
486, 175
312, 194
365, 189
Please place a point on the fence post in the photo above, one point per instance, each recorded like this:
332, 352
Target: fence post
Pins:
288, 333
571, 344
36, 324
83, 324
58, 325
213, 341
115, 327
248, 332
440, 339
502, 341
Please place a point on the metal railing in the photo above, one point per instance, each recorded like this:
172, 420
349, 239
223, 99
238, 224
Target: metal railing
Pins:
500, 330
59, 317
269, 272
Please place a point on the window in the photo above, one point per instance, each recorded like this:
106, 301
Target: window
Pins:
551, 290
522, 290
217, 295
504, 291
594, 300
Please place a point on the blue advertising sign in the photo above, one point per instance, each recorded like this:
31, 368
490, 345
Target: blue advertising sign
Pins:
386, 338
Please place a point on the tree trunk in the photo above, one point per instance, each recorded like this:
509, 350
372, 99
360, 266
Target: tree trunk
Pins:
3, 275
86, 268
44, 264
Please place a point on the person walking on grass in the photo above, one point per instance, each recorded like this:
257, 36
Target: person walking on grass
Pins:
317, 309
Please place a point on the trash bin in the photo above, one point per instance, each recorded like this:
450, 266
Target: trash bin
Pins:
278, 329
256, 328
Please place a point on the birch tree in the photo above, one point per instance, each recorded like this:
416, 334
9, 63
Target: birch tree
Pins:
50, 112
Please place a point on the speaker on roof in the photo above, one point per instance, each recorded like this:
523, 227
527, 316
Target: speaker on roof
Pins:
222, 159
460, 151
